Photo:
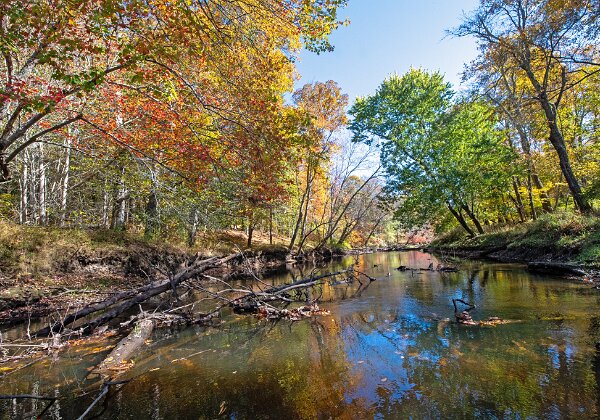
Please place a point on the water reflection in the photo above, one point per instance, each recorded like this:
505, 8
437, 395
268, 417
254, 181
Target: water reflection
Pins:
389, 353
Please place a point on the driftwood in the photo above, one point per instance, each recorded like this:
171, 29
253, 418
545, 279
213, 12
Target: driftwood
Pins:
440, 267
464, 318
119, 356
244, 300
252, 302
295, 314
122, 302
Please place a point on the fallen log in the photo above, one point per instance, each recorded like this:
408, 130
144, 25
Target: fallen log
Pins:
440, 268
296, 314
250, 301
132, 298
119, 356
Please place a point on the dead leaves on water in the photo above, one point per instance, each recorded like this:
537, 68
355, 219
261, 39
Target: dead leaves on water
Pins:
296, 314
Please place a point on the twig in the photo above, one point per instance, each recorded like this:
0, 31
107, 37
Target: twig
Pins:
103, 392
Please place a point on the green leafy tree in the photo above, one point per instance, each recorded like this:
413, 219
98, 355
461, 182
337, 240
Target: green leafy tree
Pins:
437, 153
553, 47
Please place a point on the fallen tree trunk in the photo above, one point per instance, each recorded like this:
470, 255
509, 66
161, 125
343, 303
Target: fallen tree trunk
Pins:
250, 302
133, 297
127, 347
119, 304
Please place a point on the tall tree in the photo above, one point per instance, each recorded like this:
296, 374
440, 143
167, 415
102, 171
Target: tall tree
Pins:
59, 54
554, 45
324, 105
436, 153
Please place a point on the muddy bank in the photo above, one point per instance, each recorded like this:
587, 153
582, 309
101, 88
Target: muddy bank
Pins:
96, 275
503, 253
543, 260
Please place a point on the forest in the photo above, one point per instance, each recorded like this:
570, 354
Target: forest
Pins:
166, 121
152, 148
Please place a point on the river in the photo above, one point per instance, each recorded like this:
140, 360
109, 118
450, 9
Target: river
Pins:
388, 351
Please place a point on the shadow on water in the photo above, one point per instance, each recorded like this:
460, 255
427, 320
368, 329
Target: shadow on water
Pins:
390, 352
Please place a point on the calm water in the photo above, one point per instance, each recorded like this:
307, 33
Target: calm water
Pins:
388, 352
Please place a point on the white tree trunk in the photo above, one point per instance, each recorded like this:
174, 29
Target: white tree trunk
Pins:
24, 184
65, 182
105, 206
42, 192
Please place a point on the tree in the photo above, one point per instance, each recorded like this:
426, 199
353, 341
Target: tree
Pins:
60, 57
506, 93
553, 45
324, 105
436, 152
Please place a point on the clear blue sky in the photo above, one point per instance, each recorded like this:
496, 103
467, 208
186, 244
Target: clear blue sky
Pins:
390, 36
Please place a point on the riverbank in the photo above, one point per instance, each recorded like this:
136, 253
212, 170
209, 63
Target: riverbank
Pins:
48, 270
560, 238
45, 270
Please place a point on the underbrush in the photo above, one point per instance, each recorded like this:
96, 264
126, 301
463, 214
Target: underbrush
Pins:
35, 252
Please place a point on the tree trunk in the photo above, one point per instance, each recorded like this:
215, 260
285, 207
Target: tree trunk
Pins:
306, 203
461, 220
518, 200
42, 191
105, 205
298, 221
65, 183
296, 229
120, 204
132, 298
537, 183
372, 231
544, 197
558, 142
473, 218
127, 347
151, 215
530, 193
194, 220
23, 217
250, 229
270, 225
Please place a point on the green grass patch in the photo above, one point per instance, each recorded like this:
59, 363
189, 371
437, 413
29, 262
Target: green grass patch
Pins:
562, 233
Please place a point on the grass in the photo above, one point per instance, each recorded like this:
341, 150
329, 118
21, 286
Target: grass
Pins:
565, 235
